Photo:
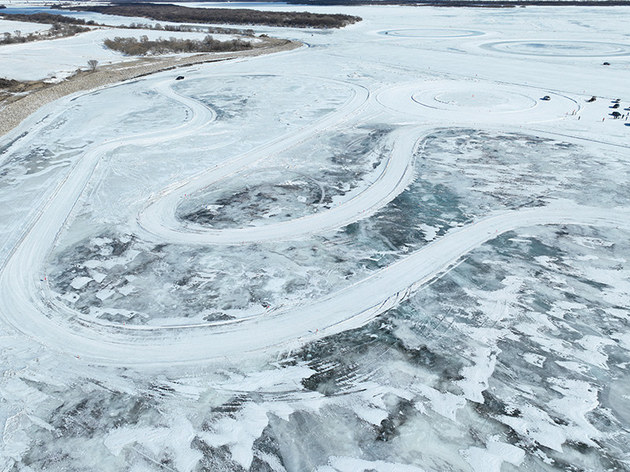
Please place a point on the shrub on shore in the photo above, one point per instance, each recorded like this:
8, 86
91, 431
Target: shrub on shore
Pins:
7, 83
57, 30
144, 46
47, 18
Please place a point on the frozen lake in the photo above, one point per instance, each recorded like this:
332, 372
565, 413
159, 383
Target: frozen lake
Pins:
401, 247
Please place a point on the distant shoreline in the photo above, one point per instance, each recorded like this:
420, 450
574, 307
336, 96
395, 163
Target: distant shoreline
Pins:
465, 3
411, 3
232, 16
15, 112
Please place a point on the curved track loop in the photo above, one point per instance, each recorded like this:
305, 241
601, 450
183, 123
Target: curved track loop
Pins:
44, 228
158, 220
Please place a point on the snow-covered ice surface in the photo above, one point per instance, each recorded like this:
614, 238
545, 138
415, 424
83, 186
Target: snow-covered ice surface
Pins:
42, 59
23, 27
382, 251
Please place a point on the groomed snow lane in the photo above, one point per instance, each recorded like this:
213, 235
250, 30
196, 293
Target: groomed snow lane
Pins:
158, 220
24, 308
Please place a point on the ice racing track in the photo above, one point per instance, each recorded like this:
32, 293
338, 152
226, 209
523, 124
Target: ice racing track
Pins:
26, 304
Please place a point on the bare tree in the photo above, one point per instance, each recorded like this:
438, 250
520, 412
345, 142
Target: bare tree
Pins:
92, 63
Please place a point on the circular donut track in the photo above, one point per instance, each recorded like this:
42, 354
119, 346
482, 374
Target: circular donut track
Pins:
557, 48
431, 33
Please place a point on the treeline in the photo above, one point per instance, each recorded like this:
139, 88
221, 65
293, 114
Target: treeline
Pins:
144, 46
47, 18
57, 30
178, 14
